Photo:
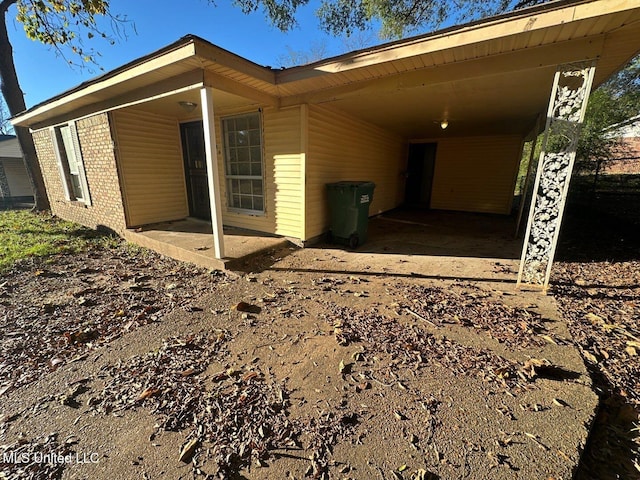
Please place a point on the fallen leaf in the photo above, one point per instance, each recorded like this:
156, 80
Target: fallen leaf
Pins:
560, 403
148, 392
399, 415
549, 339
187, 452
594, 319
344, 368
248, 376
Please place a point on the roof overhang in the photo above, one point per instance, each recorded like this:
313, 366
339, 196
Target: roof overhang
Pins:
484, 73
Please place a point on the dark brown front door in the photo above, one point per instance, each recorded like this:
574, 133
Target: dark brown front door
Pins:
420, 169
195, 168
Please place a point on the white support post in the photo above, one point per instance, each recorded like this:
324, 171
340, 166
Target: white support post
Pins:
524, 194
210, 147
567, 107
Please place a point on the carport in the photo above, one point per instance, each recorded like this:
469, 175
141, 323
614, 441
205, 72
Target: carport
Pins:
473, 94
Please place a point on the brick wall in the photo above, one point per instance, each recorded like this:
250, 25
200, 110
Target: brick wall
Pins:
96, 144
631, 163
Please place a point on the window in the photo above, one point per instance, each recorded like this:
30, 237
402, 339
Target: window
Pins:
70, 163
243, 162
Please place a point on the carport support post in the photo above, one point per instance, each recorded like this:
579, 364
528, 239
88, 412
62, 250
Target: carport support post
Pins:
567, 106
210, 148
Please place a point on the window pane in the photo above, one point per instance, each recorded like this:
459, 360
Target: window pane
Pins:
245, 186
244, 169
243, 154
246, 203
231, 138
75, 186
254, 137
243, 138
242, 123
256, 154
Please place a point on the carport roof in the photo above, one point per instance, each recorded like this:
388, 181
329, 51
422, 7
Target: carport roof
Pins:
489, 76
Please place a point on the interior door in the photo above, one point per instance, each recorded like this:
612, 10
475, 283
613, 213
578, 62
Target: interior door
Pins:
420, 169
195, 168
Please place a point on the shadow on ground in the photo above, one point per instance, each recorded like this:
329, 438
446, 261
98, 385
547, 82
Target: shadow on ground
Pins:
597, 284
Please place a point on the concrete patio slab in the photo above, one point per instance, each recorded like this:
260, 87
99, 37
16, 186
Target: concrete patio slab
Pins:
427, 244
191, 240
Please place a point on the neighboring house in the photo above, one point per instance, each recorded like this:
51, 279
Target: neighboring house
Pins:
629, 134
15, 188
193, 129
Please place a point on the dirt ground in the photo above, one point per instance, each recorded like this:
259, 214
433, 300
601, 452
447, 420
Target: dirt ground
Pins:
124, 363
597, 285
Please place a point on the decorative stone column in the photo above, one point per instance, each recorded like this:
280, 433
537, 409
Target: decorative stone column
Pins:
567, 106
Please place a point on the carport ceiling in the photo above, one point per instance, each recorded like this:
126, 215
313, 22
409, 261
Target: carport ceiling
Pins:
492, 77
498, 104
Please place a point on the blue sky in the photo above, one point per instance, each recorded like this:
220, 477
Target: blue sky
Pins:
42, 74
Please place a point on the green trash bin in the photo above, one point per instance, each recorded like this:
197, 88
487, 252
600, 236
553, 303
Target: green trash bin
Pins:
349, 206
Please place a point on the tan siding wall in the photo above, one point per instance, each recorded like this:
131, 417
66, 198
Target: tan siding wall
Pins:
151, 166
343, 148
17, 177
476, 174
96, 145
283, 179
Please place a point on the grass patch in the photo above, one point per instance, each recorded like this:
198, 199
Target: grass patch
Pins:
24, 235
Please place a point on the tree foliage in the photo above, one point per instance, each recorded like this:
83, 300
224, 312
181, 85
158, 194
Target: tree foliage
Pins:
67, 23
316, 51
396, 17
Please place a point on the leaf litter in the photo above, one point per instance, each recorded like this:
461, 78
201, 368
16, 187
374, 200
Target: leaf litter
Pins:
69, 307
601, 302
413, 347
471, 307
234, 418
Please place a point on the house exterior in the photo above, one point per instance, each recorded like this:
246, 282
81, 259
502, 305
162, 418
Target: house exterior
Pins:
15, 187
629, 135
194, 130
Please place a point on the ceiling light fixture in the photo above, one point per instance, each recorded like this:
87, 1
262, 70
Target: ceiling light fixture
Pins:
444, 124
188, 106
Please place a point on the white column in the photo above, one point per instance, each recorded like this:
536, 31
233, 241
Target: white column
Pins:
210, 148
571, 88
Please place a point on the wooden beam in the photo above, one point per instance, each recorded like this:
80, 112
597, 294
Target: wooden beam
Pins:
220, 82
181, 54
548, 56
213, 177
523, 21
160, 89
235, 62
